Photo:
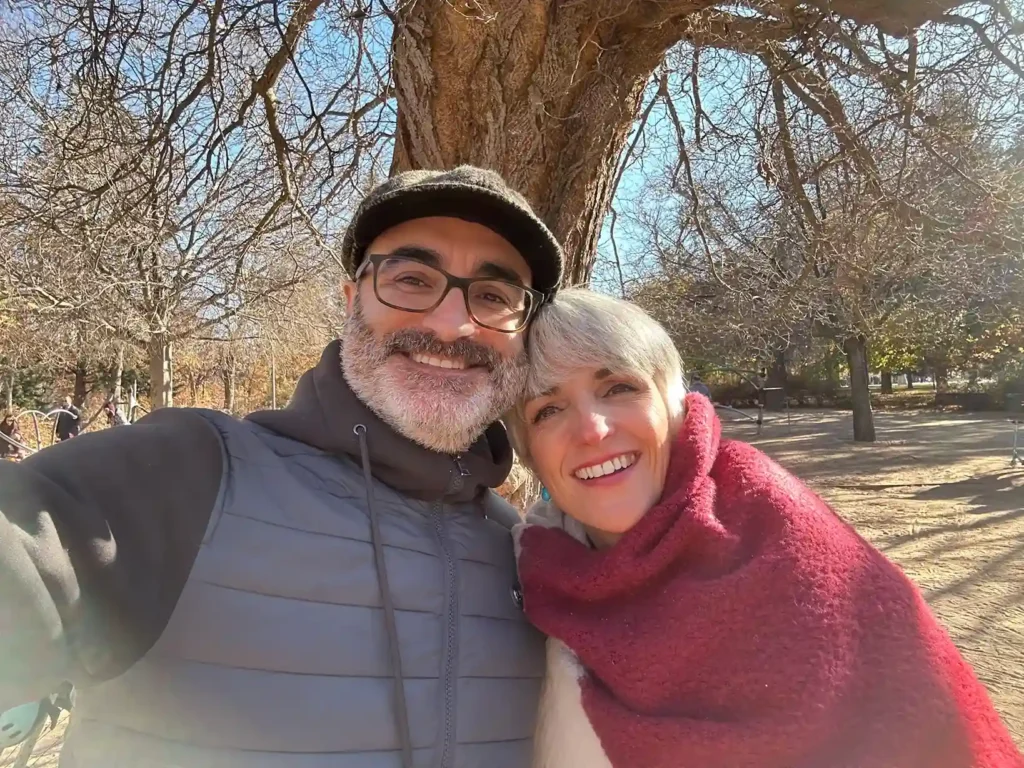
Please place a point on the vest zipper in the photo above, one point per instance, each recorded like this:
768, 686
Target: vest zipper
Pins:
455, 485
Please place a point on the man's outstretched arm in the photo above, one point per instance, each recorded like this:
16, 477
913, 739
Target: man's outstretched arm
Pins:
97, 537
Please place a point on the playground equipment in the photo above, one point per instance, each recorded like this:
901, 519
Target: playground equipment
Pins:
754, 379
26, 449
22, 726
1015, 405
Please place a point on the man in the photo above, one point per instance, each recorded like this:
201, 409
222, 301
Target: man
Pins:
69, 420
326, 585
697, 385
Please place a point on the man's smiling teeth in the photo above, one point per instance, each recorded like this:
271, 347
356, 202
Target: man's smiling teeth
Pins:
438, 362
612, 465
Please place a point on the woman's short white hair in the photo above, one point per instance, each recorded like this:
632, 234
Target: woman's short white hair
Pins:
582, 329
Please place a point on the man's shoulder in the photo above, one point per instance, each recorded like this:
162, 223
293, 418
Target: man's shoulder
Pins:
168, 438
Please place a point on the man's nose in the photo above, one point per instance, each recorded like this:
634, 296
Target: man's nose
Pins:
449, 320
594, 427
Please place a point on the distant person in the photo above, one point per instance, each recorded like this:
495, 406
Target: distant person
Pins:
697, 385
114, 416
9, 429
69, 421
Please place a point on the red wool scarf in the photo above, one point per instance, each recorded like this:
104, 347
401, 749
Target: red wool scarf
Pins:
742, 624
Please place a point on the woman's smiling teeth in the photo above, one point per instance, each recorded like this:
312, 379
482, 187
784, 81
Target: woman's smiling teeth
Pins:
606, 468
438, 362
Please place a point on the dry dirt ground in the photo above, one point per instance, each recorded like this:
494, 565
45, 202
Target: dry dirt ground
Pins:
937, 494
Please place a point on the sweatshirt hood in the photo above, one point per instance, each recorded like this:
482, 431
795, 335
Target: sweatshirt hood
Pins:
324, 411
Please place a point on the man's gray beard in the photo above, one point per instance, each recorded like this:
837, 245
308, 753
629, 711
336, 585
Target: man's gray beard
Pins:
440, 413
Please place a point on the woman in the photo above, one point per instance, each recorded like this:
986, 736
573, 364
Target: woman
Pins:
704, 608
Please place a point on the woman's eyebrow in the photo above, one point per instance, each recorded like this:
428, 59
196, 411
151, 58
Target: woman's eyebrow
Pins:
546, 393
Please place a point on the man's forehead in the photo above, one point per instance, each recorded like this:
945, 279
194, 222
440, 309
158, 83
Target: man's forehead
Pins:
455, 245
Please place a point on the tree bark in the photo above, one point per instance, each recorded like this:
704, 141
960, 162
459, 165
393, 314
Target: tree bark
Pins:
118, 376
228, 377
10, 394
886, 382
910, 379
161, 372
546, 92
542, 92
81, 386
273, 381
856, 349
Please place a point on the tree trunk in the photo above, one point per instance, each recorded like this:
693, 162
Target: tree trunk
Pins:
547, 92
228, 376
910, 379
856, 349
544, 93
161, 372
775, 400
118, 376
10, 394
886, 382
273, 381
81, 386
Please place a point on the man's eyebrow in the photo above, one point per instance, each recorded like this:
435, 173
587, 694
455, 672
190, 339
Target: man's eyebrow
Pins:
419, 253
488, 269
491, 269
602, 373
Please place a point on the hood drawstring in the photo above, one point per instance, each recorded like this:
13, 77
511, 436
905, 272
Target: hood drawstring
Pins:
401, 706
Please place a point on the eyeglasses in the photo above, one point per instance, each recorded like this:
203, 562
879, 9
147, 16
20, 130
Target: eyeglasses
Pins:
411, 285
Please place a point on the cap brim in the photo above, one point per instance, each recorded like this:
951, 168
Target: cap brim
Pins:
536, 245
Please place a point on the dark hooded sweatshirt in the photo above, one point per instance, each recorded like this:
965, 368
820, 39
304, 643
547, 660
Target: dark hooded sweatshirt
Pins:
99, 536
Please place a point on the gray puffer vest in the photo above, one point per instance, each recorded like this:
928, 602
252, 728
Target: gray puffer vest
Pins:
278, 654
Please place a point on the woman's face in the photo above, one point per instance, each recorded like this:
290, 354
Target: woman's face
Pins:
600, 443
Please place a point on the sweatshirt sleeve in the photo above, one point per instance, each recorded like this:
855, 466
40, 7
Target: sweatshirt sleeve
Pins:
97, 537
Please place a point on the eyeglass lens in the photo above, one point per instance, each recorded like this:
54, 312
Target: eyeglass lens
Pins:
412, 285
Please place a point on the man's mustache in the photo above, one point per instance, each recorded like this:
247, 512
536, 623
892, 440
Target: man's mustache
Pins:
411, 341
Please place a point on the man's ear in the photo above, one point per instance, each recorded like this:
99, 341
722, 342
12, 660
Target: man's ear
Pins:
348, 289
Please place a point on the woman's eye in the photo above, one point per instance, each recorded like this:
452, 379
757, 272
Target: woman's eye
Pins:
544, 413
621, 388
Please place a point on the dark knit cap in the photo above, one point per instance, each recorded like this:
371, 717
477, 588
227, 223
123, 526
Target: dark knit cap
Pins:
468, 193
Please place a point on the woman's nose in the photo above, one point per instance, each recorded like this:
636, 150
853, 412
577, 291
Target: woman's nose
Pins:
594, 427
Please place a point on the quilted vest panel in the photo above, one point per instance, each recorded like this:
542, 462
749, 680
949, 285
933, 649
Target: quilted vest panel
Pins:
276, 655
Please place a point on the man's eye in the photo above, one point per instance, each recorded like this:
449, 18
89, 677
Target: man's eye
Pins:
411, 280
495, 298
